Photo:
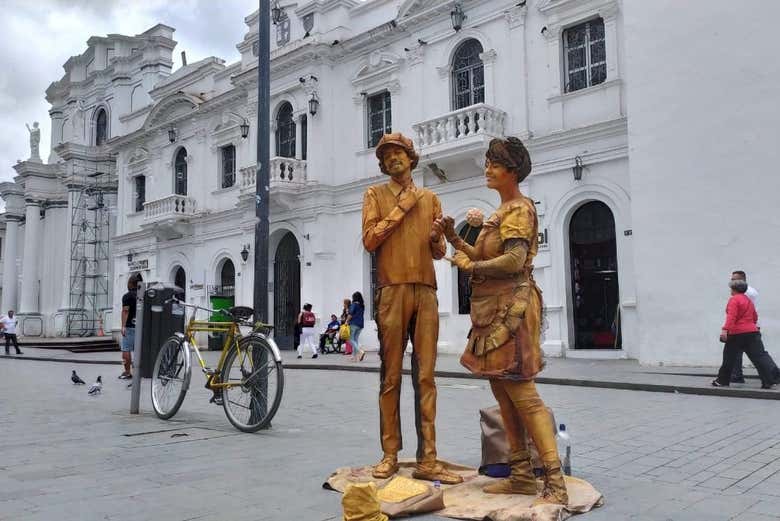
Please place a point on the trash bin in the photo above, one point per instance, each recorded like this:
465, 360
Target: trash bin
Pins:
217, 340
161, 319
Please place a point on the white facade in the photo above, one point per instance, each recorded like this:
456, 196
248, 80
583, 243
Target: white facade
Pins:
356, 50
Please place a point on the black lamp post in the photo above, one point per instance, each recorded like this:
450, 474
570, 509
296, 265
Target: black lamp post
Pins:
577, 168
172, 134
457, 16
276, 13
314, 103
244, 129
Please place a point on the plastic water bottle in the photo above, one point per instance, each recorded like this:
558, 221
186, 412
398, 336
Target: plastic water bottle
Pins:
564, 449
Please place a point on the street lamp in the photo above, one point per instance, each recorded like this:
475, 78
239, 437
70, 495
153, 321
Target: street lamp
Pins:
245, 253
457, 16
314, 103
277, 12
244, 129
577, 168
172, 134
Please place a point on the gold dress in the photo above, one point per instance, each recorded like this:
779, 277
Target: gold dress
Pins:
506, 304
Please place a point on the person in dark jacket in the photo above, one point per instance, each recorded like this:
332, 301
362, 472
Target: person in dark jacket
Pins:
355, 321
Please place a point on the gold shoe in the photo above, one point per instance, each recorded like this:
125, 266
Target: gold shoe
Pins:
520, 481
436, 472
554, 492
385, 468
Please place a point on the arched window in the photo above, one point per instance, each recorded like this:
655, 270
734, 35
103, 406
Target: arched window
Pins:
469, 234
101, 128
180, 172
227, 278
180, 280
285, 132
468, 75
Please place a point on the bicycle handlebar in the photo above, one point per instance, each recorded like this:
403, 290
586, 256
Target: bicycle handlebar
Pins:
194, 306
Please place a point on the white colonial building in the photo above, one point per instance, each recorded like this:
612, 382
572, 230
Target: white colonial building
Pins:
636, 164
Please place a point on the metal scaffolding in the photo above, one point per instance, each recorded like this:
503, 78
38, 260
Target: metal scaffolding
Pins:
89, 254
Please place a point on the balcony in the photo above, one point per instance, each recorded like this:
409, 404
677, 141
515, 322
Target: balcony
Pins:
287, 179
169, 217
457, 135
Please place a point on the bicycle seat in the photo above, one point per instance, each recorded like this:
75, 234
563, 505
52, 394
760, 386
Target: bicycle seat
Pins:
242, 312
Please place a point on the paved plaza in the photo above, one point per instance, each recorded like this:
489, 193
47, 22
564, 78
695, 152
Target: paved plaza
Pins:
66, 455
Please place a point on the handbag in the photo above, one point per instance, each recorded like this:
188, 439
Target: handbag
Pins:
344, 332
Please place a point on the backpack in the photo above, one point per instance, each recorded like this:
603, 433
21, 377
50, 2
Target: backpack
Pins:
308, 319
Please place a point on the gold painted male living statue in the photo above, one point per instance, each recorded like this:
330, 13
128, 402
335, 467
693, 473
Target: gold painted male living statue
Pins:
506, 307
403, 226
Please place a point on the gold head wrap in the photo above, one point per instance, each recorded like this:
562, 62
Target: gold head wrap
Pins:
511, 153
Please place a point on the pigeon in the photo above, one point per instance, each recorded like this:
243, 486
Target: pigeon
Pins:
76, 379
97, 387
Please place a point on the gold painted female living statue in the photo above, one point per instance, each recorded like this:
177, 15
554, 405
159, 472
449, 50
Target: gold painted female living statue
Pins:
506, 308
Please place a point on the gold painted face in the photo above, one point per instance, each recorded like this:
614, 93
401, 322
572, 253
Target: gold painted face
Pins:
396, 160
497, 176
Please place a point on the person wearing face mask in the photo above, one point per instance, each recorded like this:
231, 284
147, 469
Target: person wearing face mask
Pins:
506, 310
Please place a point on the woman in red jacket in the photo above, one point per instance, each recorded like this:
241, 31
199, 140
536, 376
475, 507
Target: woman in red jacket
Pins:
740, 334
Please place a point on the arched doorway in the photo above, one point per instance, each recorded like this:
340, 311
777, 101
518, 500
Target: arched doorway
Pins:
180, 281
287, 290
594, 278
227, 277
180, 172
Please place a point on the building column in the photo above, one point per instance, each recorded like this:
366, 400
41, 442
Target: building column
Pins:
32, 235
10, 276
298, 136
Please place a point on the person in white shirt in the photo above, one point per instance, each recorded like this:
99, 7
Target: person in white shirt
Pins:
736, 374
8, 325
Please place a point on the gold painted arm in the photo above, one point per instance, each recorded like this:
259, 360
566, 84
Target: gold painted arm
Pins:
509, 263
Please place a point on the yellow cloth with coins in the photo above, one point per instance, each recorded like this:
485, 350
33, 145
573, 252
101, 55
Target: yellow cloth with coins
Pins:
360, 503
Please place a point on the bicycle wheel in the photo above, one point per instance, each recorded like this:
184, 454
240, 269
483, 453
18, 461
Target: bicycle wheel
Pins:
170, 378
254, 384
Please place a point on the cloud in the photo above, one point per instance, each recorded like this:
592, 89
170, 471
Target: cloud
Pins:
39, 37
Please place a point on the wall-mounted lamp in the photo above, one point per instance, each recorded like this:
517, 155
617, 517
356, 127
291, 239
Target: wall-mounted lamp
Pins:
314, 104
458, 17
130, 257
245, 128
172, 134
277, 12
577, 168
245, 253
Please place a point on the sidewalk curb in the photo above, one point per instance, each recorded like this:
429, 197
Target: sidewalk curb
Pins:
573, 382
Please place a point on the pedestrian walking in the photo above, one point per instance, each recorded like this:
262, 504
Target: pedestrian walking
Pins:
737, 376
355, 321
306, 320
128, 326
8, 325
740, 334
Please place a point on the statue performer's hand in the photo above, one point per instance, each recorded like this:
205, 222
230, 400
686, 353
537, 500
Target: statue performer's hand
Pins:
449, 228
409, 198
462, 261
437, 228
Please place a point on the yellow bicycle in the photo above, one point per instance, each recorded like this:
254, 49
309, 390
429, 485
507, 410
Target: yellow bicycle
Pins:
248, 380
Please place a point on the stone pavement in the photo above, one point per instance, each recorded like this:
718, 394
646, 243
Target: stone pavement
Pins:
613, 374
65, 455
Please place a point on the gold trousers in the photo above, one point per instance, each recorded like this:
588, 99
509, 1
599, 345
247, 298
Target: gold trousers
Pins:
408, 311
521, 406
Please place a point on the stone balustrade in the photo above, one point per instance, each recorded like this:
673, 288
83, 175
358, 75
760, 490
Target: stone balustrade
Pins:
460, 125
285, 172
171, 206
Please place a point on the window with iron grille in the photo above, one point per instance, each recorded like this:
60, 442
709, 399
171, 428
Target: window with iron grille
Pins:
140, 193
180, 172
380, 121
468, 75
285, 132
101, 128
304, 135
469, 234
228, 166
585, 55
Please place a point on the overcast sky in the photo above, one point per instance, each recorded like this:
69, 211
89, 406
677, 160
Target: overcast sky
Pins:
37, 38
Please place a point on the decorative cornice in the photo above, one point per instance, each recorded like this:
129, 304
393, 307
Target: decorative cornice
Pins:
488, 57
515, 16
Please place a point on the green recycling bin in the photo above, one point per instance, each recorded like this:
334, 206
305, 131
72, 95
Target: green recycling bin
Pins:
217, 340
